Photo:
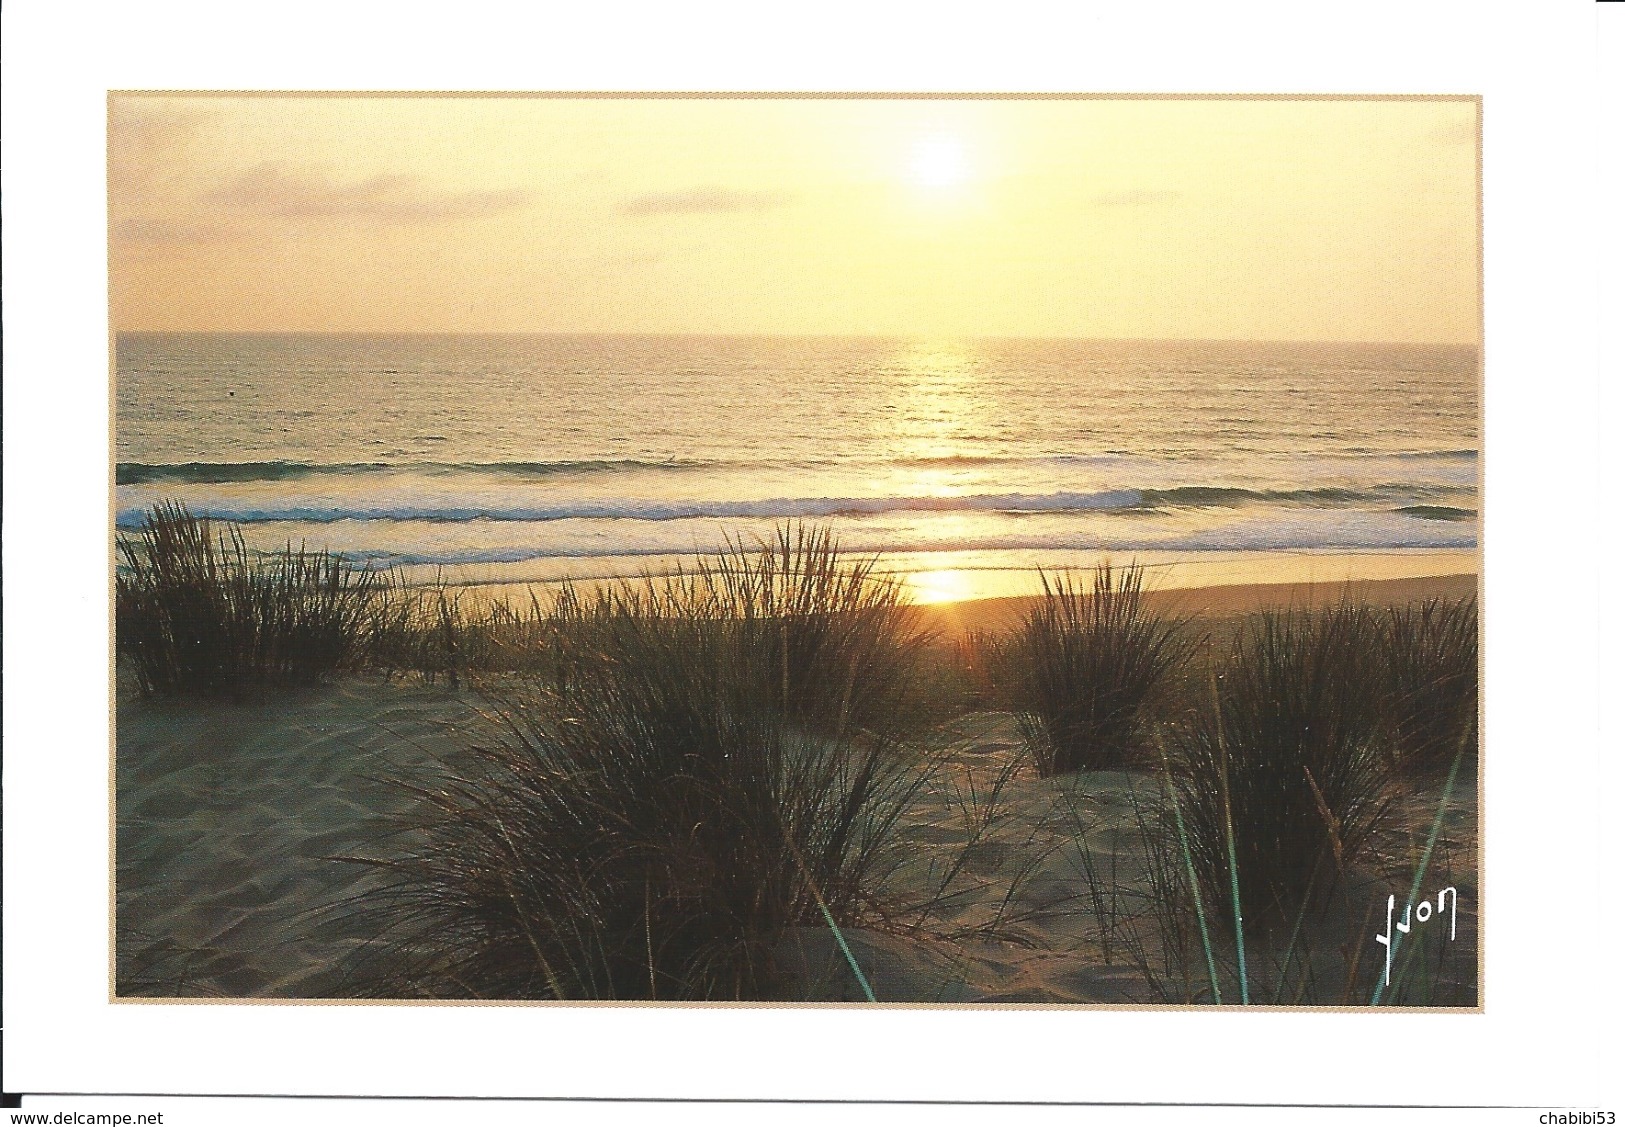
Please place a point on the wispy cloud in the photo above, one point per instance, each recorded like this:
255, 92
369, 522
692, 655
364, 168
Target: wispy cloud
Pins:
149, 143
1134, 197
155, 231
273, 191
241, 204
708, 200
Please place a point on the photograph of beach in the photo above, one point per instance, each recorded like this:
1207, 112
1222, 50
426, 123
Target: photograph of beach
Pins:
796, 550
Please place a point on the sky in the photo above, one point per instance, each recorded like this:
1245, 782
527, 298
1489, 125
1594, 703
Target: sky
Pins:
1136, 218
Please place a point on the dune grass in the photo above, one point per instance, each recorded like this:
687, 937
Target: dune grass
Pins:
697, 766
1431, 654
1084, 667
1276, 837
1281, 775
843, 649
197, 612
838, 645
718, 770
440, 630
706, 764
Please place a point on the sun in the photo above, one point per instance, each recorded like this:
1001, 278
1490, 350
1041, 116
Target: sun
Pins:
939, 161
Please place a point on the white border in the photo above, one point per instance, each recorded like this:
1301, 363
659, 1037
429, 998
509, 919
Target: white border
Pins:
1545, 965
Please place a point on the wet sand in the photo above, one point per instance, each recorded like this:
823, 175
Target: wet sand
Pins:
1222, 602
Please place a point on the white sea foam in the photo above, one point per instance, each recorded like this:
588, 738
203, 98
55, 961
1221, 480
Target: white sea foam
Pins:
450, 450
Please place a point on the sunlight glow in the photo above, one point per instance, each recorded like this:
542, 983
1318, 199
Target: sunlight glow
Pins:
896, 218
940, 586
939, 162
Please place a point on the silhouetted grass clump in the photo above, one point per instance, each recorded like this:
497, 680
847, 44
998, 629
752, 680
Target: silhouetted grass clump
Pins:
841, 649
1431, 652
197, 612
440, 630
1083, 668
713, 771
837, 646
1281, 776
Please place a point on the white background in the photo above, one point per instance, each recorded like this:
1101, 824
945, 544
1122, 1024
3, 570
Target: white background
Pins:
1552, 956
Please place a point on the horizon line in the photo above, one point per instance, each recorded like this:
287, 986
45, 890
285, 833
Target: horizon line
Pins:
897, 336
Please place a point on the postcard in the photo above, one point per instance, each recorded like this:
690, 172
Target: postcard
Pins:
822, 557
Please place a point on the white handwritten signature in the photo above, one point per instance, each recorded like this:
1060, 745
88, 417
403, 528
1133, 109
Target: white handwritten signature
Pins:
1424, 912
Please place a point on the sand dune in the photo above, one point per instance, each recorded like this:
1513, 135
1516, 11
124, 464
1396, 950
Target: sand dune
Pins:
231, 820
228, 815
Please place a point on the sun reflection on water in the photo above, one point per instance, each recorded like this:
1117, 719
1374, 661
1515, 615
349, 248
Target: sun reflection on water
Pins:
940, 586
939, 400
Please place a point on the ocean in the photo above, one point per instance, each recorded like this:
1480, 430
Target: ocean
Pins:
489, 459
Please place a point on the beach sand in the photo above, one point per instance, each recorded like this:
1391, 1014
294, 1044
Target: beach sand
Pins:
232, 822
228, 815
1228, 601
